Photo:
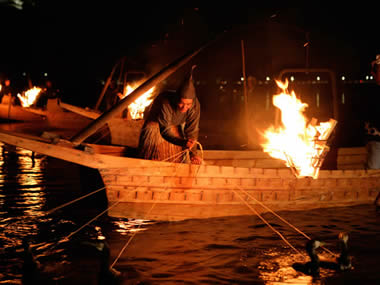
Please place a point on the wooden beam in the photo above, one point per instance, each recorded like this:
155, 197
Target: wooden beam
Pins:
123, 104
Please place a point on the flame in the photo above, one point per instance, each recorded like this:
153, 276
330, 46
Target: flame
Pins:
29, 97
300, 144
137, 108
1, 86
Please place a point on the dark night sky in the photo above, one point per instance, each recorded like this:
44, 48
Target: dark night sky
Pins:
77, 45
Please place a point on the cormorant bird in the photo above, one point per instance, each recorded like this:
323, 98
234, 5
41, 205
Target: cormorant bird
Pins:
344, 260
33, 272
107, 274
311, 267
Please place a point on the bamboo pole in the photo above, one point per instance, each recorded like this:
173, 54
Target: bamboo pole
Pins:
121, 71
9, 106
245, 91
123, 104
124, 83
106, 86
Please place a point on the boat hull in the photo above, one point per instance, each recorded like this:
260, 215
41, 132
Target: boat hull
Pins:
182, 192
156, 190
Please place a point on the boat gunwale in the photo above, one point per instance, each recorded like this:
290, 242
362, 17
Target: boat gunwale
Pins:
65, 150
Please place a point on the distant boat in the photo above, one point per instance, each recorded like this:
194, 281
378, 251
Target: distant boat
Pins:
54, 116
12, 112
58, 117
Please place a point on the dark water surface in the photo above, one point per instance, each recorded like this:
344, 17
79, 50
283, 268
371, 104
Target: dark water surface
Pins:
231, 250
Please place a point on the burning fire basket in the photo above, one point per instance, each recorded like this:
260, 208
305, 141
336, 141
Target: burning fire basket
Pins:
321, 148
303, 146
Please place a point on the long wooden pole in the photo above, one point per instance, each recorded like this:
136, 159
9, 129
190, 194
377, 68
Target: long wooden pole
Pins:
106, 86
245, 92
123, 104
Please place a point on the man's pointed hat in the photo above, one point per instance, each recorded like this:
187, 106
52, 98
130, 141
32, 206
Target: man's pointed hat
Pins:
187, 89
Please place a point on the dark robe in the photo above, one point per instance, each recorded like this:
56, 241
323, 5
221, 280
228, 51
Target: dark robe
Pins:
166, 130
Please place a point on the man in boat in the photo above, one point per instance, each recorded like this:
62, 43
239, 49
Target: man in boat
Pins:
172, 125
6, 90
48, 92
372, 124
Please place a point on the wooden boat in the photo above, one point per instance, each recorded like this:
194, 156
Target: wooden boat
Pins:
58, 117
122, 131
229, 183
52, 117
17, 113
138, 188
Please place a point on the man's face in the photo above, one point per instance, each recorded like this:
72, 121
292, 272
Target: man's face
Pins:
184, 105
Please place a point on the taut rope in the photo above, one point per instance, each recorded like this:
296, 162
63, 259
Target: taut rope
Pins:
90, 221
281, 218
267, 223
73, 201
134, 233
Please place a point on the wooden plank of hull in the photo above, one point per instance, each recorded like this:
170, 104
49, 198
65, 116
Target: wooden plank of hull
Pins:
65, 150
179, 212
214, 192
62, 151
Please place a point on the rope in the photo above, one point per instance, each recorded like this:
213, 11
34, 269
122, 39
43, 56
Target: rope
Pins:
134, 233
89, 222
175, 156
86, 224
201, 148
272, 228
282, 219
73, 201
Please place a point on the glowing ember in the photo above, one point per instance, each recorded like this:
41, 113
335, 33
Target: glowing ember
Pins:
300, 144
137, 108
29, 97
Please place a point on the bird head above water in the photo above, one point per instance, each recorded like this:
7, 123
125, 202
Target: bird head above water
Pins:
312, 245
343, 237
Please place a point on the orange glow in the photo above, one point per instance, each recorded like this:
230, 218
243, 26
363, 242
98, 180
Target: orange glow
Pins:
137, 108
301, 144
29, 97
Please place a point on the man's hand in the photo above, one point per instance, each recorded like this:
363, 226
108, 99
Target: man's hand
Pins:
190, 143
196, 159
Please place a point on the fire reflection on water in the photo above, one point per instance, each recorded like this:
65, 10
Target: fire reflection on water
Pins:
276, 268
125, 227
21, 193
30, 181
